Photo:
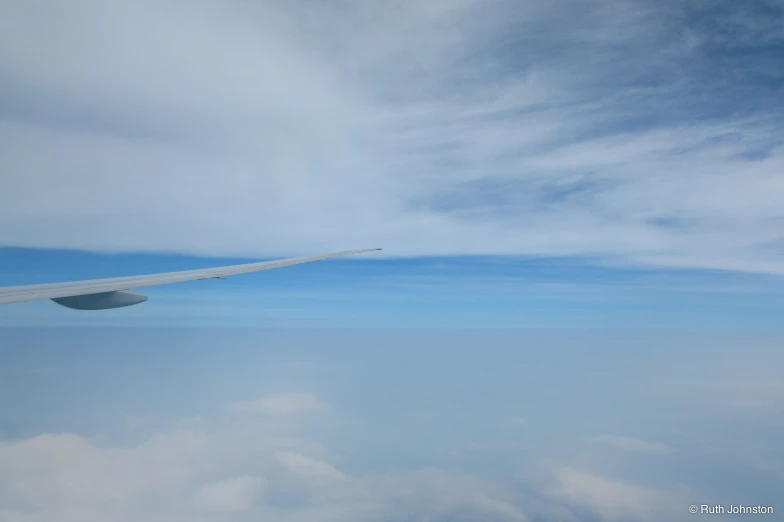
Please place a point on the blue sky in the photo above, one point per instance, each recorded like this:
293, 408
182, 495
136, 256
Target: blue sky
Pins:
576, 315
450, 292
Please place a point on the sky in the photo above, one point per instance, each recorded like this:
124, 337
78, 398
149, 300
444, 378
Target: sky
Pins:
575, 315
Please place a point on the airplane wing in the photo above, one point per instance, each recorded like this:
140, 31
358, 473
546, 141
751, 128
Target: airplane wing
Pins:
101, 294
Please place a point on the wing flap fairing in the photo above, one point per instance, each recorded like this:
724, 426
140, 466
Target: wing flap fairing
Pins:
102, 301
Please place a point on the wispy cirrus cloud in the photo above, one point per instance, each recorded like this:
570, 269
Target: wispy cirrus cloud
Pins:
638, 131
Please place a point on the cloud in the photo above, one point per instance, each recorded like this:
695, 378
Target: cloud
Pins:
504, 509
634, 445
444, 464
250, 468
306, 467
230, 495
632, 131
281, 404
68, 478
613, 499
241, 470
434, 494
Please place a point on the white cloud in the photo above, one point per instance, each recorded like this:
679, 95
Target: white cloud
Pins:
504, 509
614, 499
634, 445
247, 468
426, 128
306, 467
66, 477
243, 470
281, 404
229, 495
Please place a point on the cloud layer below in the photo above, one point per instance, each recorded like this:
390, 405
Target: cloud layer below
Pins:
250, 469
379, 426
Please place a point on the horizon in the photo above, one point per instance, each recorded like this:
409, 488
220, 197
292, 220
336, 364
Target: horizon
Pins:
575, 317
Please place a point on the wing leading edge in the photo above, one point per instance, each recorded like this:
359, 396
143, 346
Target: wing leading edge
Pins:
99, 294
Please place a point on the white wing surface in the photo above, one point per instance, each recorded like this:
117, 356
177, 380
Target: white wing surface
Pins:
99, 294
